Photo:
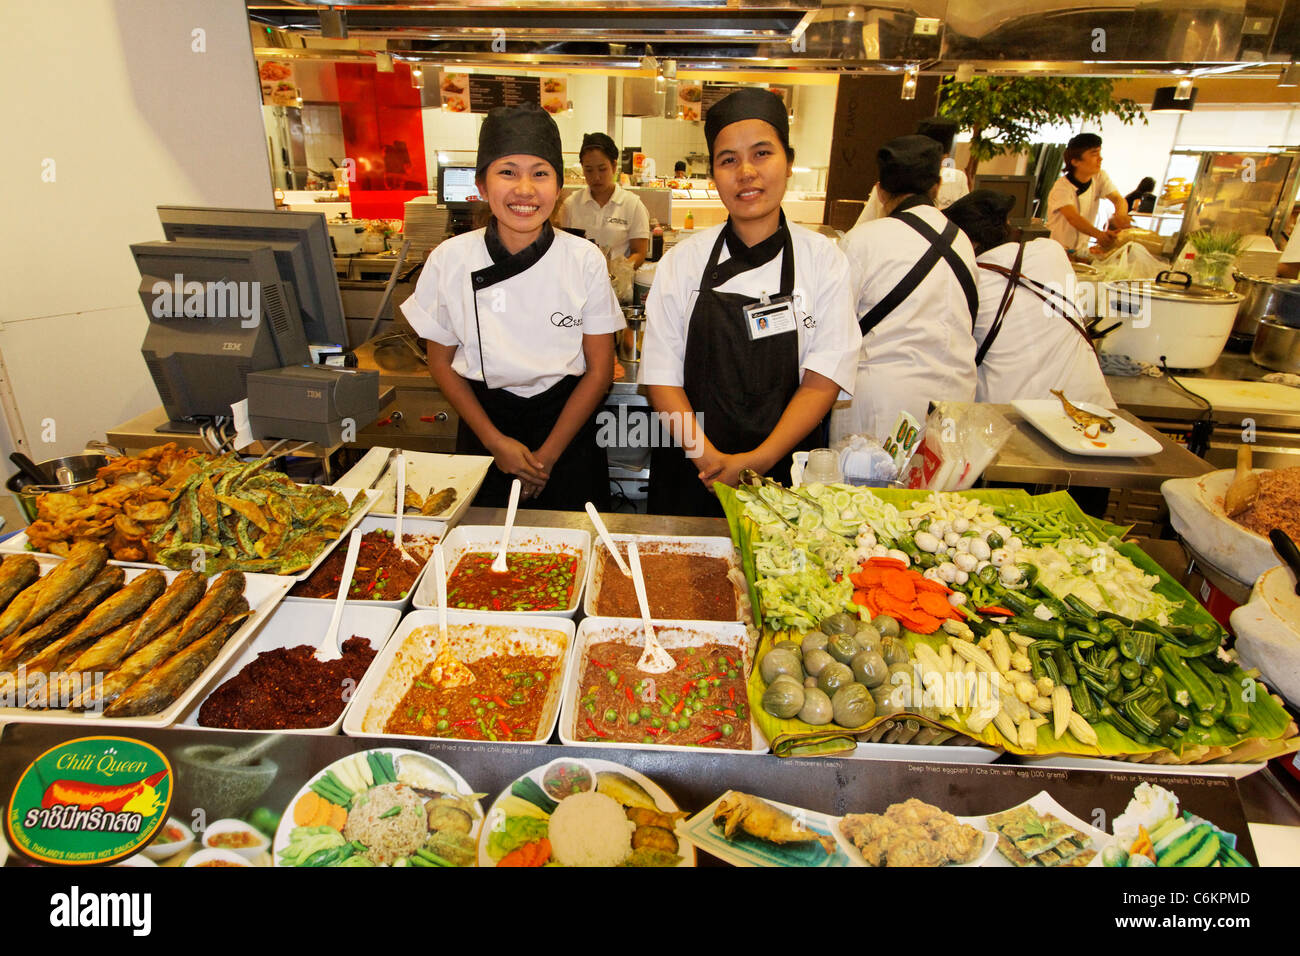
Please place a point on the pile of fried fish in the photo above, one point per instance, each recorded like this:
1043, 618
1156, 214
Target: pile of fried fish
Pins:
82, 637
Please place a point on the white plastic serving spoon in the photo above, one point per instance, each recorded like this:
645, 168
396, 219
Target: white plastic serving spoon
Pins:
440, 586
654, 659
607, 538
329, 645
400, 510
499, 565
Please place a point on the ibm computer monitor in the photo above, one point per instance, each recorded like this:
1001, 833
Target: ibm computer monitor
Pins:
1020, 187
303, 255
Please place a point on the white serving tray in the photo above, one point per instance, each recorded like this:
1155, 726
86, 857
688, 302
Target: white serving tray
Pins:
1126, 441
303, 623
354, 720
477, 538
1045, 804
1196, 513
18, 543
262, 591
424, 470
1233, 770
410, 525
670, 634
705, 546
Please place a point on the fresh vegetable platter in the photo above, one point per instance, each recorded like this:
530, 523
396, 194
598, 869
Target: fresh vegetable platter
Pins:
991, 617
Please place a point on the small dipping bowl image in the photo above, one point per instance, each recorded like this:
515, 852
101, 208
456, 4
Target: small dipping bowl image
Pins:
236, 836
565, 777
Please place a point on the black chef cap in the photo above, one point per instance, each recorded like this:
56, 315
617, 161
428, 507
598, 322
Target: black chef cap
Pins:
982, 215
909, 164
747, 103
526, 129
601, 142
1084, 142
940, 129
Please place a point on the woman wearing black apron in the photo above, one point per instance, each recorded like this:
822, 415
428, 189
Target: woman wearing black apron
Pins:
517, 318
750, 334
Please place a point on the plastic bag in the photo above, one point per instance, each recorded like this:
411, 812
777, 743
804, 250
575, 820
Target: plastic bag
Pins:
621, 274
960, 441
1129, 261
863, 460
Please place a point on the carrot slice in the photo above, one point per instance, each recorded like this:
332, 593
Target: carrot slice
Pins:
870, 577
860, 597
899, 585
929, 584
886, 563
305, 808
857, 579
932, 603
920, 622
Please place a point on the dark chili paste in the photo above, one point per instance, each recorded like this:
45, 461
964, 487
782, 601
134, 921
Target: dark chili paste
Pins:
288, 688
679, 587
382, 574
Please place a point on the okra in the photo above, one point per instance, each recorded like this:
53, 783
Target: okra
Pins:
1081, 606
1237, 712
1175, 667
1211, 680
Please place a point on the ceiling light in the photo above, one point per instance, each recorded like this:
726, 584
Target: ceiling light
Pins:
1290, 75
1166, 101
909, 81
1183, 90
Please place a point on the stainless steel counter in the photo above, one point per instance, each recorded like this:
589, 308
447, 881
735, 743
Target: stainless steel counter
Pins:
617, 523
1160, 400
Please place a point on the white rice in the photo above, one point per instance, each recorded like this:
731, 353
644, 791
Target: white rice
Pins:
590, 829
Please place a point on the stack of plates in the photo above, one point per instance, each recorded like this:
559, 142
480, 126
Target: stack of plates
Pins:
425, 225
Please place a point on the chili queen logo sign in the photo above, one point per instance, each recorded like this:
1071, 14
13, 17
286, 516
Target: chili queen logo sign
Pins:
90, 800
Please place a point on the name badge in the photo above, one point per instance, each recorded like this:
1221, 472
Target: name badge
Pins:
774, 317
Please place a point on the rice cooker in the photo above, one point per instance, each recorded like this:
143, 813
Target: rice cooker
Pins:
1169, 320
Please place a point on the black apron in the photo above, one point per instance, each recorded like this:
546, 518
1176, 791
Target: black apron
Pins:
940, 248
740, 386
581, 473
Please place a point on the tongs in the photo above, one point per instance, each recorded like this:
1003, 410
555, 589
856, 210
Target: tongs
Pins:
751, 477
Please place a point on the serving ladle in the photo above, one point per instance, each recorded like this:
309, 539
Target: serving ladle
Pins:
607, 538
329, 645
1243, 491
462, 675
654, 659
499, 565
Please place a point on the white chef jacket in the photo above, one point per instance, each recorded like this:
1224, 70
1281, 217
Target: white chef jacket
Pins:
1036, 350
823, 300
612, 226
1064, 194
952, 186
923, 351
531, 324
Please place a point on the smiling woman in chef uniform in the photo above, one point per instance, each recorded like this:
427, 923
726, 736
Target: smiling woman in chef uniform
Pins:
750, 334
517, 318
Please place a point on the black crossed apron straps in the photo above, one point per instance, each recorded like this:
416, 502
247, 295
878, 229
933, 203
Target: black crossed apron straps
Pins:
1057, 303
940, 248
738, 387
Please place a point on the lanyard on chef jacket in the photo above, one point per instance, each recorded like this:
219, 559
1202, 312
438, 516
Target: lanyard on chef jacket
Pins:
940, 248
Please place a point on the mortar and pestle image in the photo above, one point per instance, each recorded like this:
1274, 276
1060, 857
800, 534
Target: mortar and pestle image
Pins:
227, 781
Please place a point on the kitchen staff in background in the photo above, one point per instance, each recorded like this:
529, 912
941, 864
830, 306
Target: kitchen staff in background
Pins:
1141, 195
1075, 198
952, 181
679, 169
750, 334
914, 272
1031, 336
518, 319
611, 216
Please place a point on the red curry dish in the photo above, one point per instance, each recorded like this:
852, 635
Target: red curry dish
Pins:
505, 701
534, 581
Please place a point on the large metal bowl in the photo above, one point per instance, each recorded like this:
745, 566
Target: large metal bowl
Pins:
81, 470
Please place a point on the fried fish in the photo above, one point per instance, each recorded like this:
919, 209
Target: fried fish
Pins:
174, 603
123, 606
1084, 420
437, 503
26, 644
16, 573
758, 818
213, 606
84, 561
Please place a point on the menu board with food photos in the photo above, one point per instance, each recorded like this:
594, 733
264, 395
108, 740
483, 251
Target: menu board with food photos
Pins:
713, 92
689, 97
488, 92
278, 85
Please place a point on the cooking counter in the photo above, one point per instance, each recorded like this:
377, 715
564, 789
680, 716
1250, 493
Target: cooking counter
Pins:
1159, 400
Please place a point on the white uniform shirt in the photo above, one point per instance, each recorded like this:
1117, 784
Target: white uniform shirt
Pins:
1064, 194
1036, 350
823, 298
612, 226
532, 324
952, 186
923, 351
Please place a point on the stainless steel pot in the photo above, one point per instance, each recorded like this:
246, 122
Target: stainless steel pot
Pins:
69, 473
629, 340
1265, 295
1277, 346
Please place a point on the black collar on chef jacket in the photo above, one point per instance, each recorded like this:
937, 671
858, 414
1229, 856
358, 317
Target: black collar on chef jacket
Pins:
911, 202
507, 265
745, 258
1079, 188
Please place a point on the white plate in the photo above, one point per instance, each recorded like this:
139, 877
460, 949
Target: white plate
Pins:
424, 470
287, 825
410, 526
17, 543
1126, 441
1196, 513
749, 851
356, 723
262, 591
670, 634
496, 816
304, 623
704, 546
465, 539
987, 850
1044, 804
1234, 770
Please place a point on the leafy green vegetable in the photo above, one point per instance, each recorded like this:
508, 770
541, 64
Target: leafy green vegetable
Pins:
517, 832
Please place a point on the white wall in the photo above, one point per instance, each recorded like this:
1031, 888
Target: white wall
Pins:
131, 117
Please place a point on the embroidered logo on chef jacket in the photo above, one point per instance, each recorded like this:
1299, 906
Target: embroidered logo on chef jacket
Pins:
562, 321
617, 221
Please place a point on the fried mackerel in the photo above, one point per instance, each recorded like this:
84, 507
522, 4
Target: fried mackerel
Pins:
21, 647
83, 562
164, 683
16, 573
758, 818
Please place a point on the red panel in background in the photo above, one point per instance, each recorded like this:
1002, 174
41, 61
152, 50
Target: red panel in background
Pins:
384, 133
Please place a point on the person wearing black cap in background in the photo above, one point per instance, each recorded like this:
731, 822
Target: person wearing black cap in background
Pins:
1075, 198
609, 215
518, 319
750, 334
914, 273
1031, 336
952, 181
